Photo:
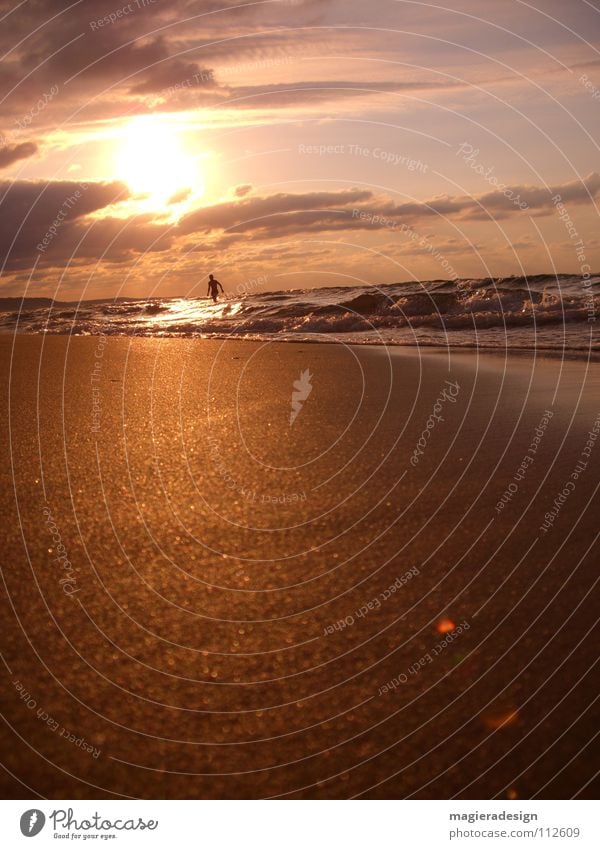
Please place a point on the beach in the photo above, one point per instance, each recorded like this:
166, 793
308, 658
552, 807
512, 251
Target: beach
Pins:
244, 569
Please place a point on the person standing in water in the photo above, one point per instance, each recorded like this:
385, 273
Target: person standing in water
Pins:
213, 288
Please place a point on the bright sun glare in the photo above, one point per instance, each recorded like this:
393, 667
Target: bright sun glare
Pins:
153, 161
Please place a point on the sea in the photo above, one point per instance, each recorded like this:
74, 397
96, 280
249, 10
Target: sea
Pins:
551, 313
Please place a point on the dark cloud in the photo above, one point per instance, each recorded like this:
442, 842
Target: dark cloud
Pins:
114, 239
174, 76
33, 210
110, 59
11, 153
257, 213
140, 47
107, 56
358, 209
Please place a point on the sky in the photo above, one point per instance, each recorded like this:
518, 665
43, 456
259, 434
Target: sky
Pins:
295, 143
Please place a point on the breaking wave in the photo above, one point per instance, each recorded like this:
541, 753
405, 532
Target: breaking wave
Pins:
515, 312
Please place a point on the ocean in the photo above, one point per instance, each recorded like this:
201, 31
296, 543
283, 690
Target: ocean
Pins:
555, 313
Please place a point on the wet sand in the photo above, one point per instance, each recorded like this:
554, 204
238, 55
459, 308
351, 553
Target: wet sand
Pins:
204, 600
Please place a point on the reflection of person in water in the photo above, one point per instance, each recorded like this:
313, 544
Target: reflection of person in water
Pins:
213, 288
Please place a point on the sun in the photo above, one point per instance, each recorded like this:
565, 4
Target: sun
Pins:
153, 161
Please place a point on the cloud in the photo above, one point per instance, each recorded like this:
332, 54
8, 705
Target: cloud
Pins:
31, 207
257, 213
111, 59
31, 210
179, 196
11, 153
138, 47
303, 93
173, 76
114, 239
360, 209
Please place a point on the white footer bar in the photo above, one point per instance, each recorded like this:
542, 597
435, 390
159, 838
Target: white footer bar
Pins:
300, 824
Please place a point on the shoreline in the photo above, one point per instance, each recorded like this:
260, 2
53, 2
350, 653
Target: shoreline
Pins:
580, 354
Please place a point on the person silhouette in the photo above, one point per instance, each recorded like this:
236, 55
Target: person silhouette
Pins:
213, 288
